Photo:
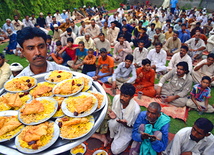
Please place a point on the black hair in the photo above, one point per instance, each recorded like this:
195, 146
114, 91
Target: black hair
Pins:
72, 21
144, 29
57, 10
129, 57
93, 20
49, 13
124, 27
103, 50
155, 105
15, 16
153, 24
183, 25
121, 35
2, 55
140, 22
171, 27
180, 21
29, 33
81, 42
123, 20
141, 41
185, 47
90, 49
185, 66
198, 23
82, 22
158, 43
32, 14
210, 19
49, 37
206, 78
102, 34
58, 43
69, 29
204, 124
168, 20
211, 55
53, 17
36, 25
127, 89
176, 32
146, 61
70, 40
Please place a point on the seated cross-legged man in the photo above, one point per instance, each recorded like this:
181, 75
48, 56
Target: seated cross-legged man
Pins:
124, 113
123, 73
145, 79
107, 69
200, 95
193, 140
178, 87
150, 133
89, 62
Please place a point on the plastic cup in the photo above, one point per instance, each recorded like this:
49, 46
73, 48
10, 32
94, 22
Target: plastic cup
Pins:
203, 109
139, 94
163, 97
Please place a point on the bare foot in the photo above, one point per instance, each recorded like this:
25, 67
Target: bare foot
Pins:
104, 140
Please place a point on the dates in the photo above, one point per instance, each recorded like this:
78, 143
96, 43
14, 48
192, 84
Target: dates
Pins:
31, 142
52, 80
59, 76
75, 113
60, 124
79, 85
58, 108
21, 95
73, 83
26, 93
29, 85
28, 80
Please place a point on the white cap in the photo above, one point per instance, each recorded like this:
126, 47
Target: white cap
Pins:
204, 13
8, 19
16, 67
84, 6
55, 25
63, 10
41, 14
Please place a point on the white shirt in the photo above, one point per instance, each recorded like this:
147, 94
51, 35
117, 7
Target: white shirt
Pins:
183, 143
151, 33
51, 66
165, 28
111, 18
27, 23
205, 69
49, 20
139, 56
192, 45
121, 11
176, 58
157, 58
43, 29
58, 17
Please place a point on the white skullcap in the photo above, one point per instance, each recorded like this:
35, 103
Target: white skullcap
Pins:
8, 19
87, 34
84, 6
16, 67
41, 14
63, 10
55, 25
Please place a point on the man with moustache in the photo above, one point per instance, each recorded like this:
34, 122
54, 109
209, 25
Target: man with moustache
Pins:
57, 33
125, 111
193, 140
34, 48
178, 87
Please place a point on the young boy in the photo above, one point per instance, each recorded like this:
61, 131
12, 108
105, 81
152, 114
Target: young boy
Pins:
56, 56
89, 62
200, 95
81, 53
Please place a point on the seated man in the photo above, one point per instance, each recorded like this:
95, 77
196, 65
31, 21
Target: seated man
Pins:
178, 57
53, 23
173, 44
124, 113
196, 46
107, 63
137, 30
102, 42
193, 140
67, 34
200, 95
142, 36
178, 87
93, 29
121, 49
158, 37
89, 62
57, 33
81, 29
5, 71
208, 27
112, 33
150, 133
126, 34
157, 22
80, 54
151, 31
37, 53
17, 24
203, 37
88, 42
204, 68
198, 24
12, 42
169, 33
129, 27
177, 27
74, 28
123, 73
184, 34
145, 79
139, 54
8, 25
157, 56
65, 25
210, 43
55, 55
3, 35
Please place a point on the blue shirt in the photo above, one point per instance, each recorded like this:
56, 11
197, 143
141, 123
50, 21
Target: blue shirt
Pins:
200, 95
5, 27
64, 16
181, 35
81, 55
157, 145
52, 24
173, 3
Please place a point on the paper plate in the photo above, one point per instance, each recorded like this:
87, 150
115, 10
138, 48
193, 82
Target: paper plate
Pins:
84, 149
48, 74
103, 102
31, 91
98, 151
89, 83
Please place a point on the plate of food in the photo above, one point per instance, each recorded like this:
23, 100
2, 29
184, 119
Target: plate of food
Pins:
100, 152
80, 105
43, 89
73, 128
38, 111
59, 112
34, 139
100, 98
9, 125
87, 82
11, 101
20, 84
57, 76
78, 149
68, 88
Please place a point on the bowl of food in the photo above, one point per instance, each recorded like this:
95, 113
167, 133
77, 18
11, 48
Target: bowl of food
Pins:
100, 152
87, 82
79, 150
57, 76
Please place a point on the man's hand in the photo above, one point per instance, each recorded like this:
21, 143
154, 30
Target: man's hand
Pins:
111, 114
135, 65
116, 59
114, 85
144, 136
155, 36
75, 67
199, 107
207, 63
98, 77
74, 48
140, 75
6, 48
122, 121
120, 50
158, 91
170, 99
139, 87
153, 138
94, 78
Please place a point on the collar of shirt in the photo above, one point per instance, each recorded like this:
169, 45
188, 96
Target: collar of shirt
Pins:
205, 90
184, 77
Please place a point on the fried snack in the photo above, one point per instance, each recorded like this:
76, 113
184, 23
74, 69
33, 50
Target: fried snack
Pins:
34, 137
68, 87
99, 98
42, 90
33, 108
59, 112
20, 84
80, 126
86, 82
8, 124
58, 76
78, 149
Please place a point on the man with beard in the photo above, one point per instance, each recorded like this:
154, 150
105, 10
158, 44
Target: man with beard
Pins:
193, 140
178, 87
17, 24
157, 38
150, 133
67, 34
53, 23
12, 42
112, 33
125, 111
126, 34
102, 42
8, 25
57, 33
65, 25
34, 49
93, 29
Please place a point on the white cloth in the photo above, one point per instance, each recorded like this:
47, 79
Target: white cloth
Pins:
139, 56
75, 29
43, 29
176, 58
79, 31
210, 43
111, 18
205, 69
121, 11
158, 59
51, 66
182, 143
58, 17
49, 20
27, 23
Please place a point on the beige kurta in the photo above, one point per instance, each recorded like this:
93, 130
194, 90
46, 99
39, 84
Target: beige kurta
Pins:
139, 55
56, 35
126, 50
171, 44
64, 36
93, 31
5, 73
17, 25
112, 34
88, 44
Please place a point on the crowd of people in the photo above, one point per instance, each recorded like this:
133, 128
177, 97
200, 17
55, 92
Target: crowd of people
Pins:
155, 34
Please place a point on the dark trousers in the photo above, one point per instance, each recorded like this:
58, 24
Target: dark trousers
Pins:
88, 68
172, 10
